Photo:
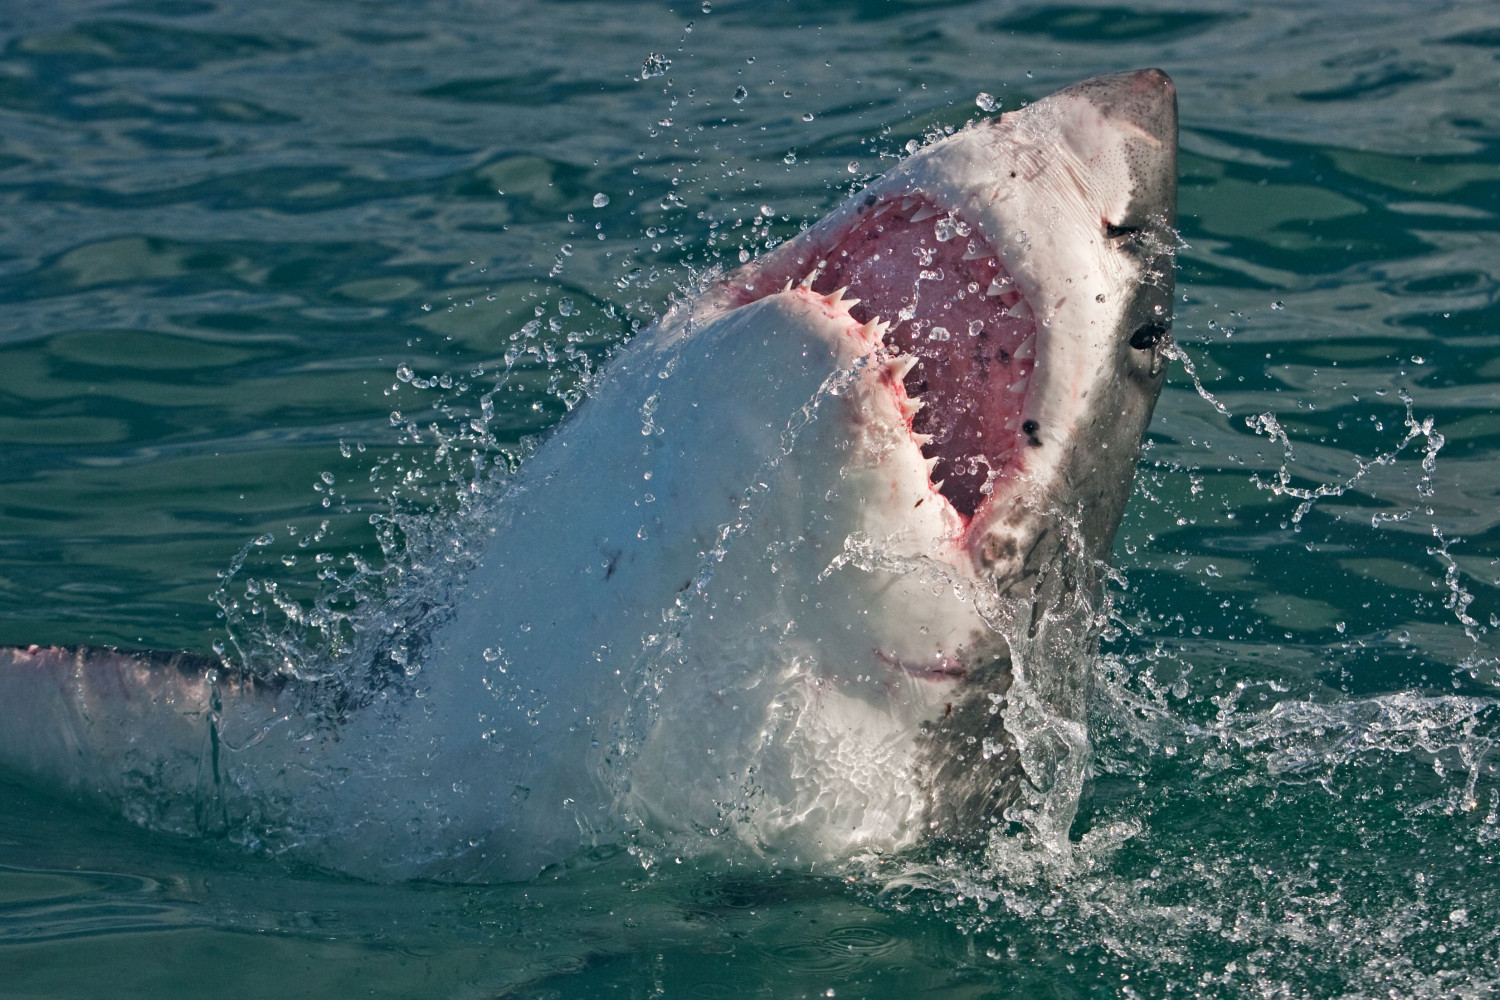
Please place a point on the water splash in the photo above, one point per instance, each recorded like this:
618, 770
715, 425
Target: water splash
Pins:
1266, 424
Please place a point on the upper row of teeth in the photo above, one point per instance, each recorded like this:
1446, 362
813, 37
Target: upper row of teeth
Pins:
1000, 286
1016, 310
924, 213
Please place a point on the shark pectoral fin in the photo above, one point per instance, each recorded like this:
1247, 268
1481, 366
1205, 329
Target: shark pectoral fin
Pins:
136, 727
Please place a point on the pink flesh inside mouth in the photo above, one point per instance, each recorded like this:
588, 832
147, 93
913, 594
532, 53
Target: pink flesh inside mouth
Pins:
948, 299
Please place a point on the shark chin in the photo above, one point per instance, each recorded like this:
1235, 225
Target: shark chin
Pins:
814, 572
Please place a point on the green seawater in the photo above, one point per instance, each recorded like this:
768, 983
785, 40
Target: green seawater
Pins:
261, 263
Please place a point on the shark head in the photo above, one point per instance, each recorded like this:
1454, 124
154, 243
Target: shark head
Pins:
1021, 272
1001, 302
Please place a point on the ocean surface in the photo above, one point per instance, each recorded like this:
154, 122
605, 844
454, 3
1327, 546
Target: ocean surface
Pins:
262, 267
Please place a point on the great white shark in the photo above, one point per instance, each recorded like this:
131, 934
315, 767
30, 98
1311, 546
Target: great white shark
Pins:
814, 571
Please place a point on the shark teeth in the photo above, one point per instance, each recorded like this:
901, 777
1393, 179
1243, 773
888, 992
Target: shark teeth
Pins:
910, 407
982, 253
1020, 310
1027, 348
1019, 385
901, 365
931, 464
925, 213
883, 209
1000, 285
907, 203
922, 440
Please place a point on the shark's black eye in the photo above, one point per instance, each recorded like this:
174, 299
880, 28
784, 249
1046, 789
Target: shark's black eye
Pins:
1114, 232
1148, 336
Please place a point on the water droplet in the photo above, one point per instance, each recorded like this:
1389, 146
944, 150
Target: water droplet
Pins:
853, 167
975, 327
656, 64
1099, 298
706, 7
740, 93
986, 102
948, 227
601, 199
808, 117
789, 158
1278, 304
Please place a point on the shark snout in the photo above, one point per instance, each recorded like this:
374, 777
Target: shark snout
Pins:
1146, 99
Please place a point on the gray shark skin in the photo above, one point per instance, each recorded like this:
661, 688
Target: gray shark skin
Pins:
815, 571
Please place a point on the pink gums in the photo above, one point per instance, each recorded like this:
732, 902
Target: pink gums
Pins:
930, 280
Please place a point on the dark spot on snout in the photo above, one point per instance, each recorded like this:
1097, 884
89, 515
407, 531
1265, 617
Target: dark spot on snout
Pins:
1029, 428
1148, 336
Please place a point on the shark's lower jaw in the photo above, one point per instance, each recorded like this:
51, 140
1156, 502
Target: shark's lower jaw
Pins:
954, 310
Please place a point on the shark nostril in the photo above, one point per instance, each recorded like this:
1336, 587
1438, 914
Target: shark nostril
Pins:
1115, 232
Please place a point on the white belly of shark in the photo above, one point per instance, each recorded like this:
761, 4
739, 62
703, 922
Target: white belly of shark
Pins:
813, 572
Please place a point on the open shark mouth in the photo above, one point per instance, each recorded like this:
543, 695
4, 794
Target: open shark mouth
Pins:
956, 325
954, 309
